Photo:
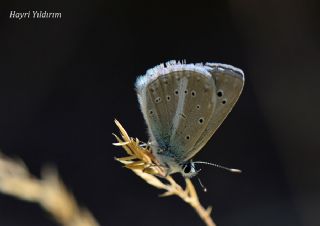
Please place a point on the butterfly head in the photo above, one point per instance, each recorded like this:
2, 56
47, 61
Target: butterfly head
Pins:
171, 165
188, 169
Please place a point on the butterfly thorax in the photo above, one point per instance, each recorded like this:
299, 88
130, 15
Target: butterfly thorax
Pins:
172, 163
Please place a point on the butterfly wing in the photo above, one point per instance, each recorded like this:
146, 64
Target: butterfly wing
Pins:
177, 101
229, 82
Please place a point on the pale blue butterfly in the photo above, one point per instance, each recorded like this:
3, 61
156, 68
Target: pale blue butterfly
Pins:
183, 105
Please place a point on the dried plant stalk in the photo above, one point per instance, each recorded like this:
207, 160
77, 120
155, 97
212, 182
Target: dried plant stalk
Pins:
141, 161
49, 192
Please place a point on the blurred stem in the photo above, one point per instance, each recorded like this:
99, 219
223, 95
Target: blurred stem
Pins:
49, 192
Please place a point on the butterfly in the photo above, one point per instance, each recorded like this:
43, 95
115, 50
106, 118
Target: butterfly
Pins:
183, 105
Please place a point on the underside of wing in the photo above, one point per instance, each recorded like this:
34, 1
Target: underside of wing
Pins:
176, 101
195, 105
184, 104
229, 83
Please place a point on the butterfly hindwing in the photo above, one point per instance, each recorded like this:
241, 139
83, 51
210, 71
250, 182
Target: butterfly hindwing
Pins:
229, 83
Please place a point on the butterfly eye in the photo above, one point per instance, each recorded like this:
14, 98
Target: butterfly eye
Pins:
187, 168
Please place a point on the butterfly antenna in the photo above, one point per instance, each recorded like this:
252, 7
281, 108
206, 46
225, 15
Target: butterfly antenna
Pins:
197, 175
219, 166
202, 186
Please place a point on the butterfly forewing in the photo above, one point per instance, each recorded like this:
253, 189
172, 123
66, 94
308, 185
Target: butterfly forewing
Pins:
177, 107
195, 105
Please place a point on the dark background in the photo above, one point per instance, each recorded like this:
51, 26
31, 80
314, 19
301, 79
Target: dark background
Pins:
63, 81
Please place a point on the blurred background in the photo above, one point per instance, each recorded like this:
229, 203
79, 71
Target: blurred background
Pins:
64, 81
